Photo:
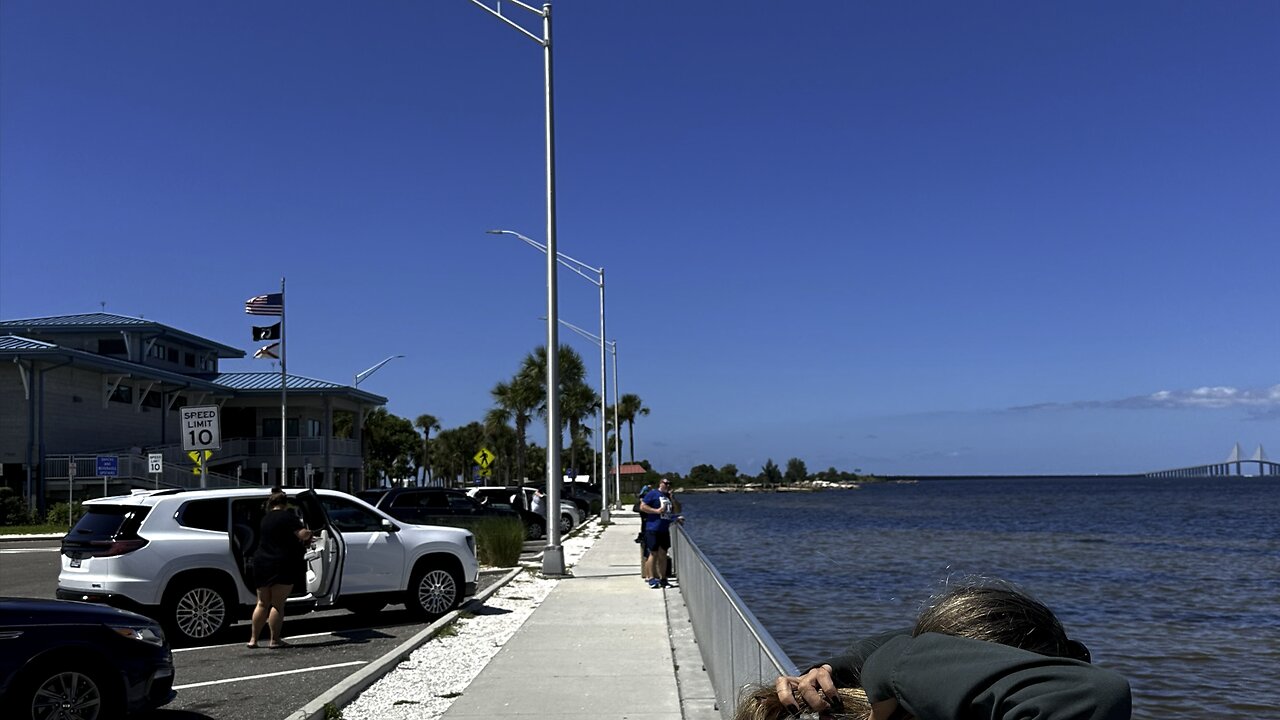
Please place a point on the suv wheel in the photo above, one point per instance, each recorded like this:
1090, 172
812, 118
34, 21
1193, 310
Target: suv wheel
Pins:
73, 693
534, 531
566, 523
198, 611
433, 591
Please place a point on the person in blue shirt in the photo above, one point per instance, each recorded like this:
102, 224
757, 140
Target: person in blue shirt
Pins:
657, 513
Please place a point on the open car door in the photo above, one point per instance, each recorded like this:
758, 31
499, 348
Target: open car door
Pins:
325, 557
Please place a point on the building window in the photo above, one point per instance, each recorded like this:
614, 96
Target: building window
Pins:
189, 359
313, 428
171, 354
152, 400
271, 427
157, 351
112, 346
122, 394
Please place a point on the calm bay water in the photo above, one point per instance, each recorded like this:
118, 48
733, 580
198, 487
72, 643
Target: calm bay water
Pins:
1175, 582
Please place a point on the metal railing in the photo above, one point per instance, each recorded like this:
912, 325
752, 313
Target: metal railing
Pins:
132, 470
270, 448
736, 649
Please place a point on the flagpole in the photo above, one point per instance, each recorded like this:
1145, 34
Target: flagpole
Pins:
284, 381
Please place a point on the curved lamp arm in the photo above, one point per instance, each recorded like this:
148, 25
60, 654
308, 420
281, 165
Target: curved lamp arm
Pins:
362, 375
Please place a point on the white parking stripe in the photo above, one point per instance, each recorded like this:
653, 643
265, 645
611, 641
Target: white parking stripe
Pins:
291, 637
19, 551
274, 674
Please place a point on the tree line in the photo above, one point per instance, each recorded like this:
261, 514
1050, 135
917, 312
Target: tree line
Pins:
397, 449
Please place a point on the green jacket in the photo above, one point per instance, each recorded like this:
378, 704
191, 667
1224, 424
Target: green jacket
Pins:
941, 677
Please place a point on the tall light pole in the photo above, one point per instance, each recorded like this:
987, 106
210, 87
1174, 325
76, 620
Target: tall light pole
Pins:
580, 268
360, 376
617, 442
553, 556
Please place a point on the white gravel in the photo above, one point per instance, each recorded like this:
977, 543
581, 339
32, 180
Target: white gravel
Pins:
424, 686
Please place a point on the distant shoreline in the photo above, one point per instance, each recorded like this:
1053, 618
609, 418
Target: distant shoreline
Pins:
815, 486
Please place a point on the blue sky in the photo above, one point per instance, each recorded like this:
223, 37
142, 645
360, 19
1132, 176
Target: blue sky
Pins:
907, 238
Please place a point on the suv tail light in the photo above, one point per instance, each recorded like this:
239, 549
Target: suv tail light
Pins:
111, 548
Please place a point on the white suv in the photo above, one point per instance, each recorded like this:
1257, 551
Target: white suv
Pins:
180, 556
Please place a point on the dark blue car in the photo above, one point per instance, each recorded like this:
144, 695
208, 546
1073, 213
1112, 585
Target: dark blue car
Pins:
80, 661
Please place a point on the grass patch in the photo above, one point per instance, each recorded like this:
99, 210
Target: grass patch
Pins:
499, 541
447, 631
41, 529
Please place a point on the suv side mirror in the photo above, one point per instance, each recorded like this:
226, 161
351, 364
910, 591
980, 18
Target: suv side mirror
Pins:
389, 526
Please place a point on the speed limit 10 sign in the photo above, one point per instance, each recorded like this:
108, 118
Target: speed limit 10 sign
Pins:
200, 428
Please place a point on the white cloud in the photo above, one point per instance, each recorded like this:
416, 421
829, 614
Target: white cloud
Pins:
1257, 400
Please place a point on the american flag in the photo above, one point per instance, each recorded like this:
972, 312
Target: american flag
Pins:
272, 304
268, 351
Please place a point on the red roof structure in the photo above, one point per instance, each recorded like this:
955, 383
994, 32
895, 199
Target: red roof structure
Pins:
631, 469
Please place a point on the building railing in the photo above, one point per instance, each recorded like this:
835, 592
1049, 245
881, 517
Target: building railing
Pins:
736, 649
131, 469
295, 447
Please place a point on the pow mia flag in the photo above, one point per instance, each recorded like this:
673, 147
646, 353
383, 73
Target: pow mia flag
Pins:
267, 332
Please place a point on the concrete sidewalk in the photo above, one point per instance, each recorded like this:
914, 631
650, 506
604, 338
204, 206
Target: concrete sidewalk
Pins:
603, 644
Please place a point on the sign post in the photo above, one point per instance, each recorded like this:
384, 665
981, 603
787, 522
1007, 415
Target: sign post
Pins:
155, 466
265, 470
71, 487
201, 431
106, 466
307, 476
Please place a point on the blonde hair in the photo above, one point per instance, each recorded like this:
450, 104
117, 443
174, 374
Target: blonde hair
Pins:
759, 702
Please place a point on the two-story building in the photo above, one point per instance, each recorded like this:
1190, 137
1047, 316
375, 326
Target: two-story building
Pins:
73, 387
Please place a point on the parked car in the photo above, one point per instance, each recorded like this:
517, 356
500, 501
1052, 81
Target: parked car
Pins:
570, 515
181, 556
76, 661
503, 498
588, 503
435, 506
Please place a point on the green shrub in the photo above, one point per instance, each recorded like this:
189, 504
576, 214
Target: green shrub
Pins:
57, 514
499, 541
13, 509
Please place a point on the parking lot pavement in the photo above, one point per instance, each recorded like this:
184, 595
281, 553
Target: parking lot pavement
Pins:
232, 682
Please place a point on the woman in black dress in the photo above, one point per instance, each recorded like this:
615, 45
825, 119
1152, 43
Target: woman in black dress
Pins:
278, 565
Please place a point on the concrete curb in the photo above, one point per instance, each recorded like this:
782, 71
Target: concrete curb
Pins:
30, 538
354, 684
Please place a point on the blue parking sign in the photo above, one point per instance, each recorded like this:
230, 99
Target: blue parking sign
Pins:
107, 466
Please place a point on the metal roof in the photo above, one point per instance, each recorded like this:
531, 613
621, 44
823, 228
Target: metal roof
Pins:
106, 322
270, 382
14, 342
19, 347
83, 320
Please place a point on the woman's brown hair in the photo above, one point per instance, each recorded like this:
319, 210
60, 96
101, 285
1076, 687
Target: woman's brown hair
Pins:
982, 609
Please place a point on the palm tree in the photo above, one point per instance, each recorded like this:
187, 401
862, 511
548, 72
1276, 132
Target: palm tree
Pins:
516, 402
630, 406
577, 400
576, 405
426, 423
